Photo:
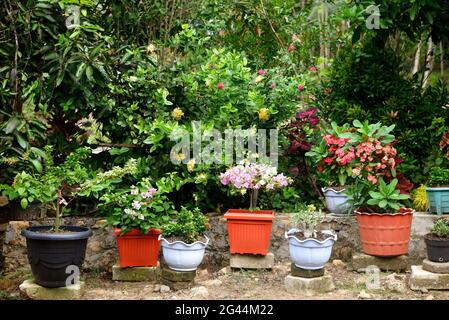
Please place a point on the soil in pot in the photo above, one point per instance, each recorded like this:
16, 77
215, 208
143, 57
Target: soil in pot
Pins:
320, 236
437, 247
50, 254
177, 238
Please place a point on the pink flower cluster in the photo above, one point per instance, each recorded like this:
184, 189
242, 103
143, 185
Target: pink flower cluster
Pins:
254, 176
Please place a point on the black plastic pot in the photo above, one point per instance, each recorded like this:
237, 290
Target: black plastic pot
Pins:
49, 254
437, 250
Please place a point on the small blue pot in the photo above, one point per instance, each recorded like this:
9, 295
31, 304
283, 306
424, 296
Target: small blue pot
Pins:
438, 198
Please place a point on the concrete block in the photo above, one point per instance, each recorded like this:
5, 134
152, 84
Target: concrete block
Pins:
135, 274
422, 280
36, 292
309, 286
249, 261
178, 280
361, 261
435, 267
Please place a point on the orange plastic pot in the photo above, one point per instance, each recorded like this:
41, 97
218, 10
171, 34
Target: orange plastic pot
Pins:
386, 234
136, 249
249, 231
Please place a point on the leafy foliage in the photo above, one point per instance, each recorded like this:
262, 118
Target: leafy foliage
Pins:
441, 227
439, 177
189, 225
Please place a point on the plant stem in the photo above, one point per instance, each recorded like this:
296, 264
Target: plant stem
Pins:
253, 199
58, 212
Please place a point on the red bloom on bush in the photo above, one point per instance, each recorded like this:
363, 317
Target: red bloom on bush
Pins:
273, 85
300, 87
220, 85
291, 47
261, 72
313, 69
328, 161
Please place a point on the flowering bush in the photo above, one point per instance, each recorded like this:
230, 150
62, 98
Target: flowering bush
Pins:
363, 151
253, 177
301, 130
140, 206
444, 143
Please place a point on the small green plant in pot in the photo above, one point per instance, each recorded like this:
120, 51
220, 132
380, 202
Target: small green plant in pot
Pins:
438, 190
309, 247
55, 188
184, 241
437, 241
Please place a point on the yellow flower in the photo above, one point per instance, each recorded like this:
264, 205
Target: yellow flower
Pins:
191, 165
179, 156
242, 192
177, 113
263, 114
259, 79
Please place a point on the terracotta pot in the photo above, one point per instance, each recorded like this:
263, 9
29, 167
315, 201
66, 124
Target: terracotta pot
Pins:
249, 231
136, 249
385, 234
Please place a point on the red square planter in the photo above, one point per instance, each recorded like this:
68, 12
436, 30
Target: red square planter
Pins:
249, 231
136, 249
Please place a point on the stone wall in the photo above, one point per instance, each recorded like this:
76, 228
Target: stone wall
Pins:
101, 251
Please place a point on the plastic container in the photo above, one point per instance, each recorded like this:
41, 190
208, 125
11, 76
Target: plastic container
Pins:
136, 249
438, 198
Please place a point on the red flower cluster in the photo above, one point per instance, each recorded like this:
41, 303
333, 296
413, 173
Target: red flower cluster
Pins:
444, 143
371, 159
298, 136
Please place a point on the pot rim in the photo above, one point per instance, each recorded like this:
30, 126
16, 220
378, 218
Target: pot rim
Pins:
329, 232
161, 238
324, 189
78, 233
136, 232
408, 211
426, 237
437, 188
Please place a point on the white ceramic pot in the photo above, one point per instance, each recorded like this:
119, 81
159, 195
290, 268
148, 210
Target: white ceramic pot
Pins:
181, 256
336, 201
310, 254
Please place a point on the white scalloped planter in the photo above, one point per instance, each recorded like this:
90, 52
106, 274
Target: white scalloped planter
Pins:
181, 256
336, 201
310, 254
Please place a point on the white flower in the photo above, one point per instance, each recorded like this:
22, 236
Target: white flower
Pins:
136, 204
134, 190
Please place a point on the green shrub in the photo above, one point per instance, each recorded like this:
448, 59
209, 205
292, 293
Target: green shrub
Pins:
439, 177
441, 227
189, 225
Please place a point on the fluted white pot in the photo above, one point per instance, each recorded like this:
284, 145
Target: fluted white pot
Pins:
181, 256
310, 254
336, 201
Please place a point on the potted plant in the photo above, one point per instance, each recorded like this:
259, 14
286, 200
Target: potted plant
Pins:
249, 230
437, 241
183, 240
438, 191
334, 158
309, 248
53, 248
137, 214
